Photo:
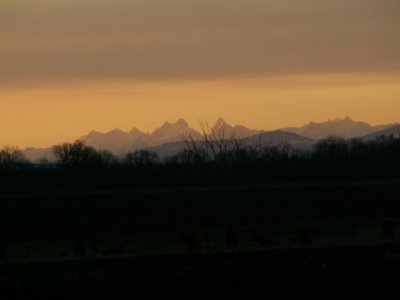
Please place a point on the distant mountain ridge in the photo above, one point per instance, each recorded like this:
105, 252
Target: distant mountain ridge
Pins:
345, 127
221, 127
120, 142
393, 130
168, 138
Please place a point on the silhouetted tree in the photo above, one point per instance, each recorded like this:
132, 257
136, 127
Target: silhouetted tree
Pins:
11, 157
107, 158
141, 158
82, 165
275, 153
218, 146
11, 161
221, 151
80, 157
333, 148
188, 157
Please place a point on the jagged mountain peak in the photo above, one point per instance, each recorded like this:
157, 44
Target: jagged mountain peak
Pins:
171, 132
134, 130
220, 123
116, 131
181, 123
239, 131
165, 124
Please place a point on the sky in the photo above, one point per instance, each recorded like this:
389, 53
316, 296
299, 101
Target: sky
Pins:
71, 66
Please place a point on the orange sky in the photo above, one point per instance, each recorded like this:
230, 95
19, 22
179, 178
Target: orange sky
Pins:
45, 116
67, 67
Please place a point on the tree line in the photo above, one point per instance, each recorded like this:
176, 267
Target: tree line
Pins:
218, 158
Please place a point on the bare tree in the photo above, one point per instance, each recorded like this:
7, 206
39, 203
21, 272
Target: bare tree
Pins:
11, 157
218, 146
80, 156
224, 149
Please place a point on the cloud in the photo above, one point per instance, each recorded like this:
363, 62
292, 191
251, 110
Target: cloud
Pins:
47, 41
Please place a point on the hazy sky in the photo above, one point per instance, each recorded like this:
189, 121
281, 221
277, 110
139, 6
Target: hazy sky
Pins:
67, 67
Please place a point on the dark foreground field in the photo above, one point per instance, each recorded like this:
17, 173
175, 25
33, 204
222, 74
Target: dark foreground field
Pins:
42, 226
329, 240
356, 272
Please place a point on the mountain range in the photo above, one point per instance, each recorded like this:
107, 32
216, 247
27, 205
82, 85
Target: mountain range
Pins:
346, 128
394, 130
120, 142
168, 138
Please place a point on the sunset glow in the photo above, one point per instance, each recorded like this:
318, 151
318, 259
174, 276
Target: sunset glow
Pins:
67, 69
